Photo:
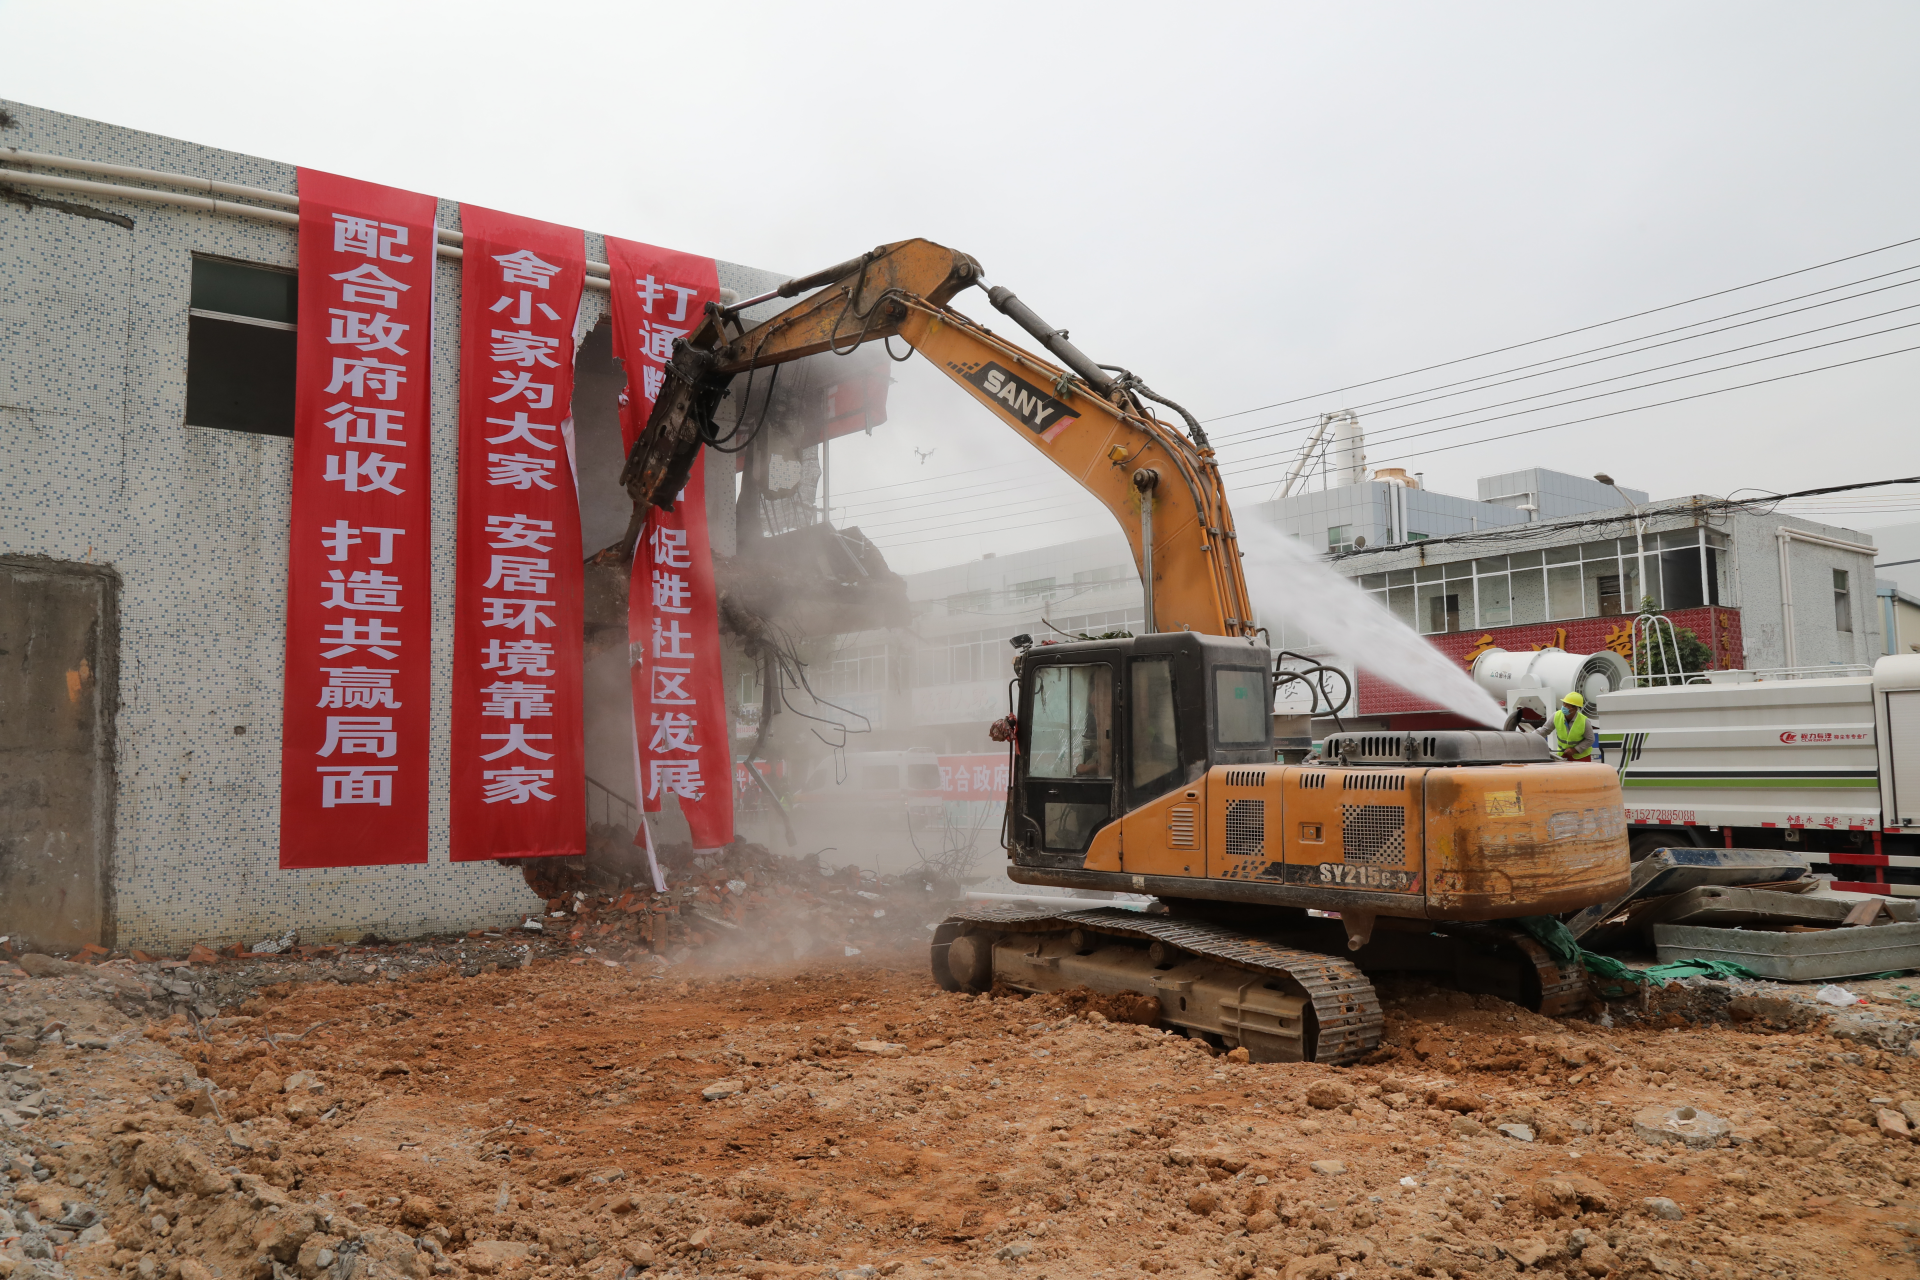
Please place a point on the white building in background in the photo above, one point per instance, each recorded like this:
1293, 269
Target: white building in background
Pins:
1394, 507
938, 683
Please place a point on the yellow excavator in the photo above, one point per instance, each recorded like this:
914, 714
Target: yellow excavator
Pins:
1146, 764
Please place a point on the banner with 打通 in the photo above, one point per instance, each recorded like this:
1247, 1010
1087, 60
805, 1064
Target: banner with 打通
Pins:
354, 726
518, 777
682, 744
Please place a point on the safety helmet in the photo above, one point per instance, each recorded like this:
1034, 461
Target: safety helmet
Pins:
1574, 700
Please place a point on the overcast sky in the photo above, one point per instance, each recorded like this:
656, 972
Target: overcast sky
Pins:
1244, 203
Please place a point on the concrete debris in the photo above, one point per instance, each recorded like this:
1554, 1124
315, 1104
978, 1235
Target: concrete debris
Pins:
1518, 1132
1680, 1126
1663, 1208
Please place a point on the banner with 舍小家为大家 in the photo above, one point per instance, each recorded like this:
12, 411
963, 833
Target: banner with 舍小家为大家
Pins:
518, 777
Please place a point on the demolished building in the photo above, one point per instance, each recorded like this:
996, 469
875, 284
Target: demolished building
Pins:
146, 393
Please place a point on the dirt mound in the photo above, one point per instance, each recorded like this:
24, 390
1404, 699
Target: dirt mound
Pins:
847, 1118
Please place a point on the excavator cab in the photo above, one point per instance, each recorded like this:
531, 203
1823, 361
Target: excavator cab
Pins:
1105, 727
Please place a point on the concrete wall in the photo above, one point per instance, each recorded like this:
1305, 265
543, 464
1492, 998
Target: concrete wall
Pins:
1816, 640
1556, 494
59, 690
96, 465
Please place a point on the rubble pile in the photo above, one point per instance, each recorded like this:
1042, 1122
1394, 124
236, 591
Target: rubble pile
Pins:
743, 903
849, 1120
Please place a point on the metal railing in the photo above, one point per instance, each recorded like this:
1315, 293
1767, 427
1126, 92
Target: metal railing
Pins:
1826, 671
611, 802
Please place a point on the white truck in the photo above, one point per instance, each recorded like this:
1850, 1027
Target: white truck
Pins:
1825, 766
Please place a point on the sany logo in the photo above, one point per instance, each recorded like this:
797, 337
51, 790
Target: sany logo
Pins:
1039, 412
1788, 737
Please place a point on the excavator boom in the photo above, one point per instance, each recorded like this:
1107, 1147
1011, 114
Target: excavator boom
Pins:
1162, 486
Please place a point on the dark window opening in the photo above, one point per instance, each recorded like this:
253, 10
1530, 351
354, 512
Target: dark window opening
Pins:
1680, 579
241, 347
1445, 613
1842, 602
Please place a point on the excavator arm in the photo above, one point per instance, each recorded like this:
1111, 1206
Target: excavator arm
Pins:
1163, 486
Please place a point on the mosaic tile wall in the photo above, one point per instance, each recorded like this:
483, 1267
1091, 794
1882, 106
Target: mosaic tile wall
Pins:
96, 465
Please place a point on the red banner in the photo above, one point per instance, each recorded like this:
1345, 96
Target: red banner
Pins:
681, 744
659, 295
353, 753
679, 697
519, 765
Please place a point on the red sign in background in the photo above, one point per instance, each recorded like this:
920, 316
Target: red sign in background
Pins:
518, 784
974, 777
1718, 629
681, 739
354, 727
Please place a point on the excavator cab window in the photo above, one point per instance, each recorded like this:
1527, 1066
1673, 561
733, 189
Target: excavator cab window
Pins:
1070, 753
1154, 730
1242, 703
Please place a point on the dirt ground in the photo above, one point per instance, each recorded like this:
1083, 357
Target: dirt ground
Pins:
571, 1117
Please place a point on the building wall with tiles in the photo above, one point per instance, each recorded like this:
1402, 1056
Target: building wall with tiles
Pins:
97, 466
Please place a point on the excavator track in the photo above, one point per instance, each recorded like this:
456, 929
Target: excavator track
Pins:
1346, 1010
1562, 990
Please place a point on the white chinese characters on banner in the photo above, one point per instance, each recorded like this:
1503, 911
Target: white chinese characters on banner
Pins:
974, 778
681, 745
513, 540
371, 590
672, 730
518, 785
356, 707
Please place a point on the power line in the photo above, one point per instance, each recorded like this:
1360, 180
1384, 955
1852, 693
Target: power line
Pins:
1566, 333
1389, 435
1659, 404
1374, 407
1019, 508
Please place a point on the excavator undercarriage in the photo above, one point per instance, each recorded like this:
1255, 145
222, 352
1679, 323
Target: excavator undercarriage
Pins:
1278, 995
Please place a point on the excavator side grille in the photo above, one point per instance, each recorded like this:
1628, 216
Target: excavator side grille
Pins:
1374, 782
1373, 834
1246, 828
1180, 827
1313, 782
1246, 777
